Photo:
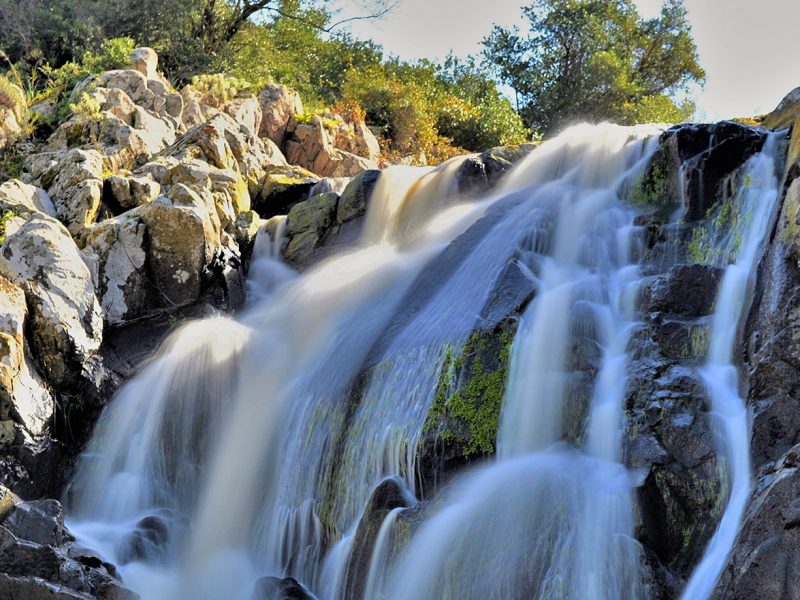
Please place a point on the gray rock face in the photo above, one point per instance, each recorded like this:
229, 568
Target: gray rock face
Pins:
766, 562
39, 560
66, 319
279, 105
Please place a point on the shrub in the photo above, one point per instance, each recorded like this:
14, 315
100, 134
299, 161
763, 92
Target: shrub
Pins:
219, 88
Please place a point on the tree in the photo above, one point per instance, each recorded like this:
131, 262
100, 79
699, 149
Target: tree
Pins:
596, 60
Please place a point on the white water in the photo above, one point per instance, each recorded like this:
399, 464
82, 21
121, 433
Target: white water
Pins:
531, 525
756, 203
240, 435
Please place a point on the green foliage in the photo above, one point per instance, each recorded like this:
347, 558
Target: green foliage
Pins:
12, 98
469, 395
87, 108
114, 53
219, 88
5, 217
596, 60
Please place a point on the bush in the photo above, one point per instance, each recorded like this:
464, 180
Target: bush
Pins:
113, 54
12, 98
218, 89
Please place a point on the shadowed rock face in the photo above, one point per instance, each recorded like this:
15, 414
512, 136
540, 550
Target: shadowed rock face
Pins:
389, 494
764, 563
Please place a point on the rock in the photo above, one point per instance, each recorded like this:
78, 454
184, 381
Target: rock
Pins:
312, 148
14, 194
355, 196
707, 154
66, 322
130, 192
117, 249
388, 495
147, 542
785, 113
686, 290
307, 224
183, 237
279, 104
479, 172
74, 180
41, 522
766, 559
26, 406
274, 588
281, 188
32, 570
145, 60
223, 143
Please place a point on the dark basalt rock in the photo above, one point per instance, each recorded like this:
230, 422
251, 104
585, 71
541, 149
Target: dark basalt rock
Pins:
690, 165
766, 560
39, 560
389, 494
686, 290
274, 588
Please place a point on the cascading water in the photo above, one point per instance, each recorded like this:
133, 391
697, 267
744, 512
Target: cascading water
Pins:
250, 447
755, 201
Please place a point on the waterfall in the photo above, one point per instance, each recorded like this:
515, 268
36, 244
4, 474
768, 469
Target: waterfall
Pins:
756, 201
250, 446
559, 505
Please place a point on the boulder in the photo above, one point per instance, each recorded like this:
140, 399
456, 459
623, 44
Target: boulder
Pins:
66, 322
307, 224
279, 105
145, 60
74, 180
281, 188
785, 113
353, 202
274, 588
183, 232
117, 251
26, 406
16, 195
388, 495
225, 144
311, 147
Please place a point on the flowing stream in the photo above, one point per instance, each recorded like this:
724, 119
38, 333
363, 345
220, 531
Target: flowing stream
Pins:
250, 446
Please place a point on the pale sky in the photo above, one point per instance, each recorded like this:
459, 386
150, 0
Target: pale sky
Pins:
750, 49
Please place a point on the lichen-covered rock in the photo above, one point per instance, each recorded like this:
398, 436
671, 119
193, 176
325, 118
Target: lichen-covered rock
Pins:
183, 231
26, 406
117, 250
279, 105
311, 147
129, 192
66, 322
74, 181
16, 195
307, 223
281, 188
225, 144
353, 202
785, 113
